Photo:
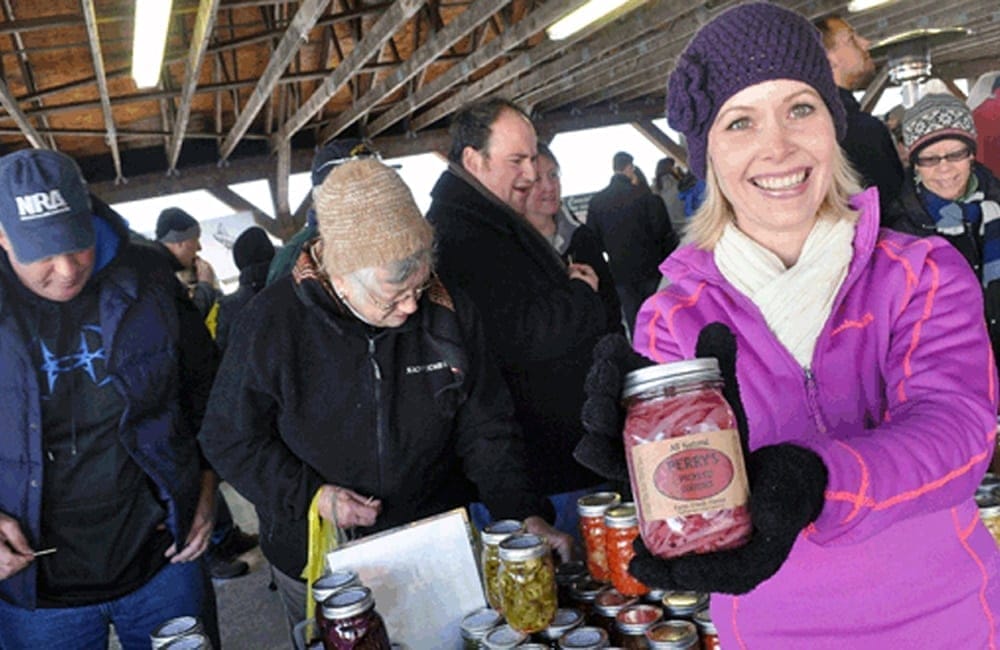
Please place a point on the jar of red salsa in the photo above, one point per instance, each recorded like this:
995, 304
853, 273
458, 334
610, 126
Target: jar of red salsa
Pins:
685, 461
622, 527
591, 508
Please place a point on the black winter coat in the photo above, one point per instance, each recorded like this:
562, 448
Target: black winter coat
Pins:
871, 151
252, 280
416, 416
541, 325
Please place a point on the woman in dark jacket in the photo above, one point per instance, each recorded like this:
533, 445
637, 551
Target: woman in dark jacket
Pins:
950, 195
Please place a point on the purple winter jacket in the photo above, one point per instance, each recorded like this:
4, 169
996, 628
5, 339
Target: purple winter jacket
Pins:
900, 402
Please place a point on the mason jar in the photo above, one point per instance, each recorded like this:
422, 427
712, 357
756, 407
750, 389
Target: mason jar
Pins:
489, 558
527, 583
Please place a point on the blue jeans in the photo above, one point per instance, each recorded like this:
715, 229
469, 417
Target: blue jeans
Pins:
182, 589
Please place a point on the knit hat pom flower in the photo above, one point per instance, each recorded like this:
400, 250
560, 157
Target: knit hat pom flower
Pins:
688, 105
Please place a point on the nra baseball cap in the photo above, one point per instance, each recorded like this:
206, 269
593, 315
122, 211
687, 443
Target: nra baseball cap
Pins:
44, 205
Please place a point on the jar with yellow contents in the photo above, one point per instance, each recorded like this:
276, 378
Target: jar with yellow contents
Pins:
489, 558
527, 583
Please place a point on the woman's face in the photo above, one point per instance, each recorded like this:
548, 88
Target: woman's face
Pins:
546, 193
772, 148
946, 178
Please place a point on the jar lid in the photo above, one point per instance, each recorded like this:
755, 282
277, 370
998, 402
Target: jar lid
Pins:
635, 619
325, 585
684, 602
348, 602
621, 516
586, 589
676, 632
654, 596
703, 619
584, 637
504, 637
594, 505
570, 572
500, 530
987, 499
175, 626
478, 623
990, 481
670, 374
533, 646
518, 548
610, 601
188, 642
989, 512
564, 621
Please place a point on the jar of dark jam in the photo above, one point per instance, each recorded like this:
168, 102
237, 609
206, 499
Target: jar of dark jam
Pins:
477, 625
564, 621
672, 635
584, 638
685, 459
327, 585
566, 574
632, 622
583, 593
352, 622
706, 630
607, 604
489, 558
683, 604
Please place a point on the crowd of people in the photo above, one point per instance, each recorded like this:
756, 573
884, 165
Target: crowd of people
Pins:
386, 365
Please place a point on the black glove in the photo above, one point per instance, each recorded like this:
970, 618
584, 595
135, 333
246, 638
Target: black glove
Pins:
787, 483
601, 448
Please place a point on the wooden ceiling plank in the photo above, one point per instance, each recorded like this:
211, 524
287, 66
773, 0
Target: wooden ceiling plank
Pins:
90, 18
511, 38
204, 25
279, 183
305, 18
661, 140
440, 42
388, 24
26, 72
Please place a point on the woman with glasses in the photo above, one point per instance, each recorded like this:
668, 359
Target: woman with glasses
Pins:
951, 195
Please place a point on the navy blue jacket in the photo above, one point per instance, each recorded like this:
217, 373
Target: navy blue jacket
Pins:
141, 315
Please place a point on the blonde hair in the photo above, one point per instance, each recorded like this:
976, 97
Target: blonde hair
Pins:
707, 223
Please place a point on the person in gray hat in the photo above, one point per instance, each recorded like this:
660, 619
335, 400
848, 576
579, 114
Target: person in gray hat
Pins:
106, 505
178, 233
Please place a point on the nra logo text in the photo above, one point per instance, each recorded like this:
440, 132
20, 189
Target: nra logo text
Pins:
40, 205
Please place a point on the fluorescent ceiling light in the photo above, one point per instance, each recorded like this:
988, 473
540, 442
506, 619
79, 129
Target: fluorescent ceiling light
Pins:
855, 6
576, 20
149, 38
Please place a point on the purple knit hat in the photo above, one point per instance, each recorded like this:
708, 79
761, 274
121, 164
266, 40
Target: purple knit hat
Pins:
739, 48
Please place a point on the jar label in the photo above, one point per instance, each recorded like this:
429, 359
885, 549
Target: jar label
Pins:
690, 474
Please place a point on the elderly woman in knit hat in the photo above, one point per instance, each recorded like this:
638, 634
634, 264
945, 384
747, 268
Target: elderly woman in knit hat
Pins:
862, 367
952, 195
361, 382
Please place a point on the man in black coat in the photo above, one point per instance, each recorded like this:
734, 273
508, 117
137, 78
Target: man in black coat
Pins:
541, 316
868, 143
634, 228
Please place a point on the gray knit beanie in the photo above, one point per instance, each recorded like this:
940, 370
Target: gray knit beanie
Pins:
935, 117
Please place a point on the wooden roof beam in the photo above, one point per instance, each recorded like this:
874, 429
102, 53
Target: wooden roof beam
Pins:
388, 24
204, 24
25, 127
90, 18
439, 43
305, 18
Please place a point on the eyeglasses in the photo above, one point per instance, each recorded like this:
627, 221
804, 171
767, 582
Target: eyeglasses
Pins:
932, 161
389, 307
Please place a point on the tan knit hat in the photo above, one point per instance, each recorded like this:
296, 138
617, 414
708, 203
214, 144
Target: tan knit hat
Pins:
367, 218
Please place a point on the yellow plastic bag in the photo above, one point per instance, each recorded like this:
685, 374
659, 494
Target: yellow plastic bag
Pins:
323, 538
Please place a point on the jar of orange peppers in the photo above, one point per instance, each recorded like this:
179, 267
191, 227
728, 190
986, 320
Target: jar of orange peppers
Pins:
591, 509
622, 527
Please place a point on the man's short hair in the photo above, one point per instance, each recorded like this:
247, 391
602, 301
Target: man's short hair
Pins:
826, 28
470, 127
621, 161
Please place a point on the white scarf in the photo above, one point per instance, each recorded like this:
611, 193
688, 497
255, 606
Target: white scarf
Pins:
795, 301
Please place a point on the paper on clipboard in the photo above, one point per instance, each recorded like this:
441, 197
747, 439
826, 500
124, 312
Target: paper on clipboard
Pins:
424, 577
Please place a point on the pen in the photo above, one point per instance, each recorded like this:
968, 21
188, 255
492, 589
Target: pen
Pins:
44, 551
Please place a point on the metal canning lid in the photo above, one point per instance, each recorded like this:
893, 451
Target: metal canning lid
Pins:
584, 637
677, 632
476, 624
637, 618
178, 625
703, 619
670, 374
326, 585
594, 505
570, 572
621, 516
586, 589
564, 621
501, 530
655, 596
189, 642
533, 646
684, 602
610, 601
348, 602
504, 636
518, 548
989, 512
987, 500
990, 481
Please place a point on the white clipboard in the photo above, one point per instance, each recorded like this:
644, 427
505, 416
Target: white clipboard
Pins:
424, 576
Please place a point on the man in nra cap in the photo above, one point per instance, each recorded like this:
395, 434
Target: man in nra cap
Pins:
105, 502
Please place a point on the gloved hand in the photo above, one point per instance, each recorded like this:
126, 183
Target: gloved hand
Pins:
787, 483
601, 448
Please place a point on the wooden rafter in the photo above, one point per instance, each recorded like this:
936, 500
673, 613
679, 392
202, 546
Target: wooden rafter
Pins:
23, 123
90, 18
22, 62
204, 24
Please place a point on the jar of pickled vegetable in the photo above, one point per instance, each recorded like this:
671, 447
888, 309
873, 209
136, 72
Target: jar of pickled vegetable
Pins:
706, 630
591, 508
632, 622
503, 637
584, 638
352, 622
683, 604
672, 635
606, 606
476, 625
622, 527
527, 583
583, 593
685, 459
564, 621
327, 585
566, 574
489, 558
